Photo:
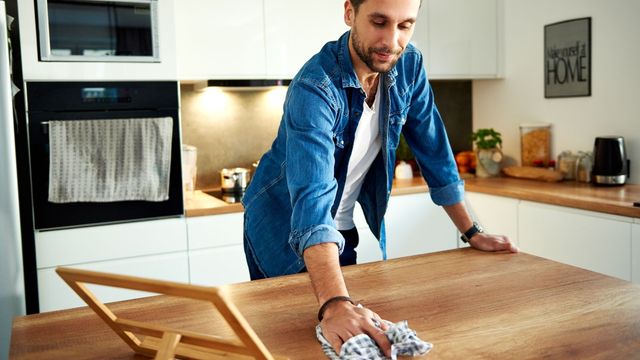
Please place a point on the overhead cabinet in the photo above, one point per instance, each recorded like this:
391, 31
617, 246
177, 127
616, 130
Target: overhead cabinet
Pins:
460, 39
219, 39
297, 30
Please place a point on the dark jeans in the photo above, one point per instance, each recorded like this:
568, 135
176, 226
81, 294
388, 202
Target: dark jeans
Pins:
348, 256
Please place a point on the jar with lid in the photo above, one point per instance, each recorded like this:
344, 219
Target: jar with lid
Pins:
583, 166
535, 144
567, 162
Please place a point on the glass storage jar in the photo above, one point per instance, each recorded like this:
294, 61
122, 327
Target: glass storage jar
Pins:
535, 144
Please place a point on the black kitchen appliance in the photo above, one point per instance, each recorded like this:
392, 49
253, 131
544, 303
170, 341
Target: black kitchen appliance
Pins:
98, 100
610, 165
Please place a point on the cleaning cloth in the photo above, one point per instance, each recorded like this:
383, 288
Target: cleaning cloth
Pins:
404, 341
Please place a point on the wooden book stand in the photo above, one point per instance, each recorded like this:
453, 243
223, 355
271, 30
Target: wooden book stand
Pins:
164, 343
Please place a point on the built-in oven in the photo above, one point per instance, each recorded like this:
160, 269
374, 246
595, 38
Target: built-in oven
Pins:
98, 30
86, 114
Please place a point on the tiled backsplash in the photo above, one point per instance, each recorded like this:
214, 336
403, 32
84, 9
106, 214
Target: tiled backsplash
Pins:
234, 128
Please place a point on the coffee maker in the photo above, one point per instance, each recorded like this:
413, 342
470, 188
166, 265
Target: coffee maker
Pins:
610, 163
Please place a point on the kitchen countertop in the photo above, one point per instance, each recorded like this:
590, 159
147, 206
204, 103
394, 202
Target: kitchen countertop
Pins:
611, 200
469, 304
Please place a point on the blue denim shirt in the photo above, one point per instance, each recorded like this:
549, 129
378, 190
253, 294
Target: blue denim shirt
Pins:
295, 192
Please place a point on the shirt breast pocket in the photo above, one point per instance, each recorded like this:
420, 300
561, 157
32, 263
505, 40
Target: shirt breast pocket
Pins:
396, 122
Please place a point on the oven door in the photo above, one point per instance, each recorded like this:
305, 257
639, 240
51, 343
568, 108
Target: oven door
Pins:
48, 215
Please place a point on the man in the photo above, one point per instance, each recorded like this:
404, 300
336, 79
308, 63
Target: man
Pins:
343, 115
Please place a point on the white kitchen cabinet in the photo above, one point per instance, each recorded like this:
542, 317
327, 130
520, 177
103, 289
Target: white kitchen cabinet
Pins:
460, 38
635, 252
368, 246
220, 39
218, 266
216, 251
55, 294
34, 69
109, 242
249, 39
415, 225
590, 240
297, 30
496, 214
155, 249
215, 230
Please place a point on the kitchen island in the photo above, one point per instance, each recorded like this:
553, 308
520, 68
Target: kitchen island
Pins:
469, 304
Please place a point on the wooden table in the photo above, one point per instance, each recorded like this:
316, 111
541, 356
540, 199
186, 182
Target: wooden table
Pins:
469, 304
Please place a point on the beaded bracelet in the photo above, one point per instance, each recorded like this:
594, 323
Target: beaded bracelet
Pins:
331, 300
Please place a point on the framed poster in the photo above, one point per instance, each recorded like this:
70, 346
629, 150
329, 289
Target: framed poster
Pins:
567, 58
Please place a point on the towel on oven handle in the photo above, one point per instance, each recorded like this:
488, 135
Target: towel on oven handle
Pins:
109, 160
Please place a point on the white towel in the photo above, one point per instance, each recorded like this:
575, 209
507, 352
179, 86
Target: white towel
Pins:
109, 159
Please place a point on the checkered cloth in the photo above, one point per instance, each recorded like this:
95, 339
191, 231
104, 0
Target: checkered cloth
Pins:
404, 341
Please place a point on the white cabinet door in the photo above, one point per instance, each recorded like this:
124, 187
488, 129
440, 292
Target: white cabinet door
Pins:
297, 30
496, 214
215, 230
590, 240
459, 38
218, 266
415, 225
216, 252
220, 39
108, 242
368, 246
635, 252
55, 294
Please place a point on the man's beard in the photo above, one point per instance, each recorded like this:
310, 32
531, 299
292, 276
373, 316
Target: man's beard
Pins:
366, 55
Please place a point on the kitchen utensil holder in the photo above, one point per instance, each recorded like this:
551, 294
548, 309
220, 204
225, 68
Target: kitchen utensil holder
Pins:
164, 343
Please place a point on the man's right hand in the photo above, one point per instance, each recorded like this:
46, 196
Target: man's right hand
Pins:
343, 320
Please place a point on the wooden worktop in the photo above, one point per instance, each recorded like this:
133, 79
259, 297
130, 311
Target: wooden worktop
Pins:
617, 200
611, 200
469, 304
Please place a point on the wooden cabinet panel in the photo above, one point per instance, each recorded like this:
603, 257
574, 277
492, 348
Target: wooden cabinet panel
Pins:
55, 294
586, 239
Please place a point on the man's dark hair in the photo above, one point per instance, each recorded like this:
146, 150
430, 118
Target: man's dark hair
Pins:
356, 4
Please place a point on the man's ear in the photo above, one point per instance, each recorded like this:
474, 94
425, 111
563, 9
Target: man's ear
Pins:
349, 13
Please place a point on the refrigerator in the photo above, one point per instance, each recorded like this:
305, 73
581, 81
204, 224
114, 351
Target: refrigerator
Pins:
12, 298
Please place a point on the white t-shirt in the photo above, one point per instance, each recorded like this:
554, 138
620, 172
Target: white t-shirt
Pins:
366, 145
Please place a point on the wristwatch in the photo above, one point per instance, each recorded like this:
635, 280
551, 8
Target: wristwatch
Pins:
474, 229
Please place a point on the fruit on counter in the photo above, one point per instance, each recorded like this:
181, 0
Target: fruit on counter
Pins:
466, 161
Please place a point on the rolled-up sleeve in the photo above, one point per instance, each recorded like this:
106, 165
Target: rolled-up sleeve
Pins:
428, 140
309, 118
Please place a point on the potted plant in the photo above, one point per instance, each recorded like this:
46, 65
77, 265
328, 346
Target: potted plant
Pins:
488, 144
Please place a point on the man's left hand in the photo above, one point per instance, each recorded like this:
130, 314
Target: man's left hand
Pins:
489, 242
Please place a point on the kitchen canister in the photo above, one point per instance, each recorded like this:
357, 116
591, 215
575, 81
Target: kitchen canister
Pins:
535, 144
189, 169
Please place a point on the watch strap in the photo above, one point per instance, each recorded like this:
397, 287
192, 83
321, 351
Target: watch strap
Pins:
474, 229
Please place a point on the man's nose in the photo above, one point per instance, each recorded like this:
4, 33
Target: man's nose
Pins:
390, 38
